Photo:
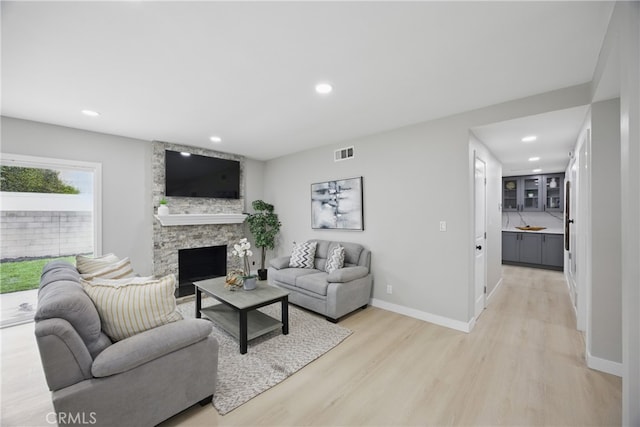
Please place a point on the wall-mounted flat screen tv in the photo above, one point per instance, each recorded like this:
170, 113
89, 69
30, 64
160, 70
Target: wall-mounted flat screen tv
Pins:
192, 175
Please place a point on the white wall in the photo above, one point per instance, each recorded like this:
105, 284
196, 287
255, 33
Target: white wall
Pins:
620, 58
605, 339
253, 180
414, 177
626, 22
126, 186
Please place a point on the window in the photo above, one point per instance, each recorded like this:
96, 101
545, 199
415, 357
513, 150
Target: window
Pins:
50, 208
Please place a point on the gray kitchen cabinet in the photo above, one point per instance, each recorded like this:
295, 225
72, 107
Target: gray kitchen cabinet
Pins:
510, 250
533, 249
522, 193
553, 192
553, 250
533, 193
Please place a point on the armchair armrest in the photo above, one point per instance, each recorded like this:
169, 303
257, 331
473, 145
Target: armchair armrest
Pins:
149, 345
347, 274
280, 262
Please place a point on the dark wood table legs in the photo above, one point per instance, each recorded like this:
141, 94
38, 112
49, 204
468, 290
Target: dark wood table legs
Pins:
198, 302
285, 315
243, 331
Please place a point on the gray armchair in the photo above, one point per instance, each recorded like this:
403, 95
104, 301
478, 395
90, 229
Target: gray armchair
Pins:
141, 380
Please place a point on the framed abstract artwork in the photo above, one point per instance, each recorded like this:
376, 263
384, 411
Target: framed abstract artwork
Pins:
337, 205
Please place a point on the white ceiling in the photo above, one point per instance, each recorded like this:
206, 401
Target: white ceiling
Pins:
183, 71
556, 132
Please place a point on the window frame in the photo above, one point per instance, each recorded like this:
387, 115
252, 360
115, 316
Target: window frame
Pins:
21, 160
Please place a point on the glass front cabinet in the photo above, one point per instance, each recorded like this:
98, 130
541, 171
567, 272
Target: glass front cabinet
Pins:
521, 193
510, 196
553, 186
533, 193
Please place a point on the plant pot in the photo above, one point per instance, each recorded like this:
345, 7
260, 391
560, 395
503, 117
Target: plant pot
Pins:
163, 210
249, 283
262, 273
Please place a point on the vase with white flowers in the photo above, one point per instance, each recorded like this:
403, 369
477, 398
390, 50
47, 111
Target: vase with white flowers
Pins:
242, 250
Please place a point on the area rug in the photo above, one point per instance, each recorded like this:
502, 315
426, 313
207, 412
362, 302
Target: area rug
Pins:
271, 358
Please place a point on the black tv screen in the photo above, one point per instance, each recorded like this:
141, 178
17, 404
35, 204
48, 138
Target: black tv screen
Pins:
201, 176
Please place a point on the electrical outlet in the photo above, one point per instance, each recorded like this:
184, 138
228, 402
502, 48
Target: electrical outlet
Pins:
389, 289
443, 225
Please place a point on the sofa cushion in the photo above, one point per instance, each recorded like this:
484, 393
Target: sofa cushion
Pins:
289, 275
335, 259
316, 283
118, 270
303, 255
130, 306
352, 253
150, 345
58, 270
347, 274
87, 265
65, 299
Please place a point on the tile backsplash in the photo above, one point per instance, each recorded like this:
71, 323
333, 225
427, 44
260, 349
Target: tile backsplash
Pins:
551, 220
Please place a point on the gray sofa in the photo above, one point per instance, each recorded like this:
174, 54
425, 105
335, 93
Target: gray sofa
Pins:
331, 294
141, 380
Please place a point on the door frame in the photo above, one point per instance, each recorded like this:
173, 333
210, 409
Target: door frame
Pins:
480, 293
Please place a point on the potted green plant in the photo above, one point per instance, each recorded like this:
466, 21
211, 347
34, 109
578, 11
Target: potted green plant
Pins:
163, 209
264, 225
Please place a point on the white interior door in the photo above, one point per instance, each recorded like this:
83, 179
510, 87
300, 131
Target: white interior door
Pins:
480, 184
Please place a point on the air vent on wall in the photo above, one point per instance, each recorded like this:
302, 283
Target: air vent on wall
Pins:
343, 154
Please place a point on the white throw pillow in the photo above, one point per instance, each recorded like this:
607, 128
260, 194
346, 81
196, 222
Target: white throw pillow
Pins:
117, 270
133, 305
335, 260
303, 255
88, 265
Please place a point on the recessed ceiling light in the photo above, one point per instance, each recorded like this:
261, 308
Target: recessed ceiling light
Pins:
215, 139
324, 88
90, 113
536, 170
534, 159
185, 154
529, 138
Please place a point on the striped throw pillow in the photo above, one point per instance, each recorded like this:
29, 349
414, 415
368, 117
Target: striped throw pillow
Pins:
133, 305
87, 265
118, 270
303, 255
335, 259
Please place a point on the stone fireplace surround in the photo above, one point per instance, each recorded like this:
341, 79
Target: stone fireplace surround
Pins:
167, 240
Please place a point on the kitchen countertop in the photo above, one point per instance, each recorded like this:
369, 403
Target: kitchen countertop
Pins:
553, 221
550, 230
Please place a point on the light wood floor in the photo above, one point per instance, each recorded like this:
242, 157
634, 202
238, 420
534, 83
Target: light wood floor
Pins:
523, 364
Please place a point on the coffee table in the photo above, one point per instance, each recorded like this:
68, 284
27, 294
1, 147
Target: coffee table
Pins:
237, 314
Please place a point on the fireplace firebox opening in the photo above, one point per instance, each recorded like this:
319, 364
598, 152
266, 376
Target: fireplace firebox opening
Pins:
199, 264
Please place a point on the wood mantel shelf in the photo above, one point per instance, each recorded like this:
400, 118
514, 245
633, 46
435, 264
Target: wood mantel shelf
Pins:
200, 219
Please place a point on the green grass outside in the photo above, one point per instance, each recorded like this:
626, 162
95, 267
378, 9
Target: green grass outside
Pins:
24, 275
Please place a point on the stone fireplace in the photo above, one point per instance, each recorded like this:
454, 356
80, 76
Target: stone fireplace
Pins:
193, 222
199, 264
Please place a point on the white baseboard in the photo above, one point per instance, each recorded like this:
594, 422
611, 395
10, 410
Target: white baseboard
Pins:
493, 292
422, 315
604, 365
